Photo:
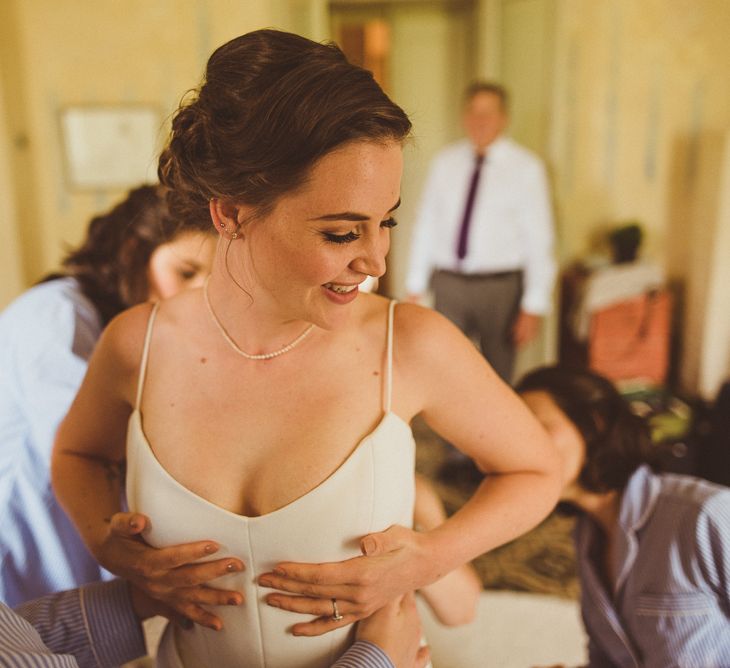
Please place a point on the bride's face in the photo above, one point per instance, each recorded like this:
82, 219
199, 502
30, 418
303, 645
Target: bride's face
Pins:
308, 256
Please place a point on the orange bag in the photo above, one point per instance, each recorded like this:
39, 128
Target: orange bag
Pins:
630, 340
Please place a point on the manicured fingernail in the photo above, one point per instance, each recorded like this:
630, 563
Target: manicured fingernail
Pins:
133, 524
274, 602
279, 571
233, 601
215, 626
209, 549
232, 567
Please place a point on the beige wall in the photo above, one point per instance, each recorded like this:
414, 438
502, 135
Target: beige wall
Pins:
526, 59
706, 343
57, 53
637, 85
714, 366
10, 258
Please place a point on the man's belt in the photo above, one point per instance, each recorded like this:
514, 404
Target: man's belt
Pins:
512, 273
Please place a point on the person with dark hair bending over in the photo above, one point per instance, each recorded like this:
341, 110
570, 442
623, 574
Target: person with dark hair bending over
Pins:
267, 414
653, 549
130, 254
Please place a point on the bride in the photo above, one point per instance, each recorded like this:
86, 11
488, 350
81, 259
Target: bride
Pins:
265, 417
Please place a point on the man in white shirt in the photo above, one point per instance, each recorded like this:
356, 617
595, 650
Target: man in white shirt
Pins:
484, 234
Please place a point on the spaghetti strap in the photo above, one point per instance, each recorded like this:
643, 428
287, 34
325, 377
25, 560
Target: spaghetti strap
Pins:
389, 359
145, 351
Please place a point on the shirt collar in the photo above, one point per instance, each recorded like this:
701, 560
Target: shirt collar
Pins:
493, 151
638, 499
637, 504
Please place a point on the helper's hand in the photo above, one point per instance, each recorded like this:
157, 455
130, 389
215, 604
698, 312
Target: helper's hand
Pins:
145, 606
396, 629
395, 563
169, 574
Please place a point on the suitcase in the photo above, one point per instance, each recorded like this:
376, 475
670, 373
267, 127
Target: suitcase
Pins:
630, 340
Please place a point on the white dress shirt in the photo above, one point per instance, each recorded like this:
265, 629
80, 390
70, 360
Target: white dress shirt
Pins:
511, 226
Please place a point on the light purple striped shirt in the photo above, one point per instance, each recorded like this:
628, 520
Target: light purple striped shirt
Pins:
670, 604
92, 626
95, 627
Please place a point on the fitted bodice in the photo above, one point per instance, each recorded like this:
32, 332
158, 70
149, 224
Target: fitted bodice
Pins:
372, 490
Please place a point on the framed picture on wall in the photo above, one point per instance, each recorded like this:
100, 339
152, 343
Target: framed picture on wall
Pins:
110, 147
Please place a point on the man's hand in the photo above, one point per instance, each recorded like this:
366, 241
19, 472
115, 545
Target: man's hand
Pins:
526, 328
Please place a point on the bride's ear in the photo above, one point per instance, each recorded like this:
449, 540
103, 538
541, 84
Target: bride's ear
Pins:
225, 216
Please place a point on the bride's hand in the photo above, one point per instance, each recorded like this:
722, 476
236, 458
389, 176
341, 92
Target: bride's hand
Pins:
395, 562
168, 574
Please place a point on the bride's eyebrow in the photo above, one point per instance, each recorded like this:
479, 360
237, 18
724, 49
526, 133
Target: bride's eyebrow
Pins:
351, 215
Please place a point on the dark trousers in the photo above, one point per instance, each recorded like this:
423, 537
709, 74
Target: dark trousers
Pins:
484, 307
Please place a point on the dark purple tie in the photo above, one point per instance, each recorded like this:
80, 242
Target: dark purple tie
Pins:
466, 220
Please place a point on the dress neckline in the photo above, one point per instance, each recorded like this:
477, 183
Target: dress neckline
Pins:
135, 422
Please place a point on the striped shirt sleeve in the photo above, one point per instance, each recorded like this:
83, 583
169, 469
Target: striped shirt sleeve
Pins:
22, 647
364, 654
95, 624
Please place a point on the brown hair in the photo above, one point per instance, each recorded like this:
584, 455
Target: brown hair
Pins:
271, 104
111, 263
617, 441
491, 87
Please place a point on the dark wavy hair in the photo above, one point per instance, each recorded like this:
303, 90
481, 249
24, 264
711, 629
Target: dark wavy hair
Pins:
111, 263
271, 104
617, 441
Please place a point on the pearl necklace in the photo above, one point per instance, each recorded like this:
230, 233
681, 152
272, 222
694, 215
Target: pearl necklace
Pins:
232, 343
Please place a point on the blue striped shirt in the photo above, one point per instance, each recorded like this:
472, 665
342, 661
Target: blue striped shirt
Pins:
670, 604
95, 627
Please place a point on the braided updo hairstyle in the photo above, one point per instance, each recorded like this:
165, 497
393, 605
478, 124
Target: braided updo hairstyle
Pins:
617, 441
271, 104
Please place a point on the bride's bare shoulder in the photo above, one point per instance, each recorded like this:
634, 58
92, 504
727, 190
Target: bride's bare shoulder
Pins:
422, 325
418, 331
123, 337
